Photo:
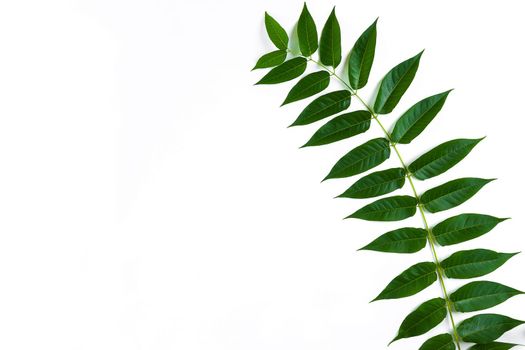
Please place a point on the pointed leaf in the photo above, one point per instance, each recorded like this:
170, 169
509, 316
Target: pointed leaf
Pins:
464, 227
395, 84
481, 295
387, 209
271, 59
483, 329
289, 70
341, 127
493, 346
360, 159
441, 158
330, 44
403, 240
411, 281
324, 106
473, 263
307, 33
439, 342
362, 57
416, 119
308, 86
376, 184
452, 193
427, 316
277, 34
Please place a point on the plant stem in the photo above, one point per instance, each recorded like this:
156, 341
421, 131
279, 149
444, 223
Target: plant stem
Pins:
430, 236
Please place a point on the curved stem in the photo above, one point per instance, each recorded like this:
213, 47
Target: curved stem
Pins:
430, 236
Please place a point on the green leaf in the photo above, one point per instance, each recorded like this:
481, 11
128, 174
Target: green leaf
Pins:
271, 59
308, 86
395, 84
473, 263
360, 159
330, 43
481, 295
411, 281
439, 342
427, 316
464, 227
276, 33
441, 158
307, 33
483, 329
416, 118
387, 209
362, 57
493, 346
289, 70
324, 106
452, 193
376, 184
403, 240
341, 127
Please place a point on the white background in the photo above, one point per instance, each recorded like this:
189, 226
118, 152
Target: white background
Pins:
152, 198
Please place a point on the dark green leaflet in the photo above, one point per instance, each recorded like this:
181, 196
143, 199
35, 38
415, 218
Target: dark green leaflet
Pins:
387, 209
395, 84
411, 281
330, 43
289, 70
481, 295
360, 159
439, 342
452, 193
483, 329
416, 119
493, 346
441, 158
324, 106
403, 240
427, 316
307, 33
473, 263
340, 128
464, 227
271, 59
308, 86
276, 33
376, 184
362, 57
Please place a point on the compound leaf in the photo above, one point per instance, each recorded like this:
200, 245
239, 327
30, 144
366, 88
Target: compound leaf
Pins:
360, 159
473, 263
395, 84
387, 209
308, 86
481, 295
416, 118
330, 43
485, 328
341, 127
452, 193
324, 106
464, 227
403, 240
376, 184
289, 70
307, 33
362, 57
411, 281
427, 316
441, 158
277, 34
